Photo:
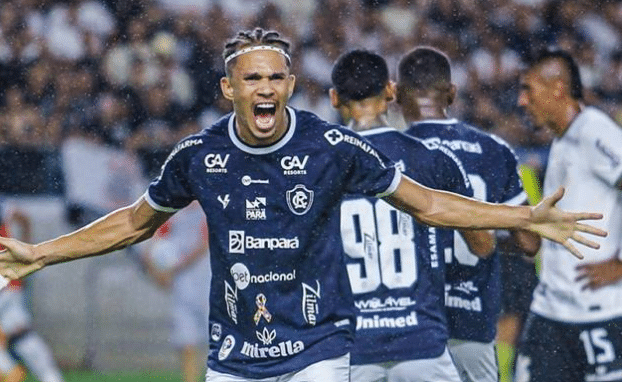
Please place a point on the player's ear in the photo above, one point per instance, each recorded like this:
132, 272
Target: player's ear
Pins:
451, 94
390, 91
334, 98
292, 84
226, 88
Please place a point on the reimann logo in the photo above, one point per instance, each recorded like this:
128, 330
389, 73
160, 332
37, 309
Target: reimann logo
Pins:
239, 242
216, 163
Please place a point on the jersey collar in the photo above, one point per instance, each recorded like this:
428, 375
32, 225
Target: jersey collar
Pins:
450, 121
265, 149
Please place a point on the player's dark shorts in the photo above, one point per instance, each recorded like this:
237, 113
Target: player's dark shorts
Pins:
518, 278
553, 351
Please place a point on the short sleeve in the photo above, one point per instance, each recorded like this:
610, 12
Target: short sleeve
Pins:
369, 172
170, 191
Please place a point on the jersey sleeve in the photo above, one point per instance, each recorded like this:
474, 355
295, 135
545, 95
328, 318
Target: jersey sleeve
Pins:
604, 151
170, 191
369, 172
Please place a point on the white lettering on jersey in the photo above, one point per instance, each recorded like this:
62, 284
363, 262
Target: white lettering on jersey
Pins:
181, 146
280, 350
293, 165
310, 303
216, 163
239, 242
231, 299
386, 322
389, 304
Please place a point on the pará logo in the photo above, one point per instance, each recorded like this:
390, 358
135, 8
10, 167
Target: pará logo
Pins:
299, 199
293, 165
216, 162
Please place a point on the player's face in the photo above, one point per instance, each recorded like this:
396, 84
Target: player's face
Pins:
537, 97
259, 85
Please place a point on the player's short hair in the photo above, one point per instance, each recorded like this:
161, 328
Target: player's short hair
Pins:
359, 74
424, 68
574, 76
258, 37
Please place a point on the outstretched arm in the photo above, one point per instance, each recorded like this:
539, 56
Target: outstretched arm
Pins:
117, 230
440, 208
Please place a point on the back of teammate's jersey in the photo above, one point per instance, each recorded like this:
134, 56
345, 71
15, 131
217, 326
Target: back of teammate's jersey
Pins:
395, 265
473, 290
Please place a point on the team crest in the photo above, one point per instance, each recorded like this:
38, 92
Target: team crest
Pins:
299, 199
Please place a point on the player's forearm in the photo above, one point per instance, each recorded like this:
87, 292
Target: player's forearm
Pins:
117, 230
445, 209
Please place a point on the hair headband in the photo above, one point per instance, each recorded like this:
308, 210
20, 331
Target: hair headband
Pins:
257, 47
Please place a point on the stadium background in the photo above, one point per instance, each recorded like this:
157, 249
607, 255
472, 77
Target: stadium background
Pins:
93, 94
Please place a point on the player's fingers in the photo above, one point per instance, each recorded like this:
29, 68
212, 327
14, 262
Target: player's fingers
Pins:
571, 248
587, 216
585, 241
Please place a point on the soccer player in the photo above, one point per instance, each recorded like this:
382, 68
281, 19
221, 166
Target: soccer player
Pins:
573, 330
473, 288
271, 180
25, 346
396, 265
177, 257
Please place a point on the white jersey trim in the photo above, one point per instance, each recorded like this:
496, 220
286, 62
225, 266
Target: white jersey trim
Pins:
397, 178
268, 149
158, 207
450, 121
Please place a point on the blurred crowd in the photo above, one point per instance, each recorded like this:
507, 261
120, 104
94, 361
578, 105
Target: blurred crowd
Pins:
140, 74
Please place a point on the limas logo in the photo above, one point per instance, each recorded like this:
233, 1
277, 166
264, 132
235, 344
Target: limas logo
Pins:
239, 242
215, 163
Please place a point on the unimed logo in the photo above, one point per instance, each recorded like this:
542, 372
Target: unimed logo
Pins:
239, 242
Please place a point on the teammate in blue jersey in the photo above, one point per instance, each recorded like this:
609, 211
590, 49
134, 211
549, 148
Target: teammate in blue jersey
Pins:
395, 264
473, 289
271, 180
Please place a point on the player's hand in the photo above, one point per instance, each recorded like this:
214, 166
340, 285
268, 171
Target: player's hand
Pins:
17, 259
561, 226
598, 275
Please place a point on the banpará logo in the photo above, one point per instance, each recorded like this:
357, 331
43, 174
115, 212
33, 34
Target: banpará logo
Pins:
242, 276
239, 242
216, 163
299, 199
225, 349
280, 350
293, 165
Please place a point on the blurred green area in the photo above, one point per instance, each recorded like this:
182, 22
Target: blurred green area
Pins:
95, 376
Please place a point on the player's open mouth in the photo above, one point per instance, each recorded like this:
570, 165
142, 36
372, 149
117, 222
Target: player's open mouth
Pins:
264, 115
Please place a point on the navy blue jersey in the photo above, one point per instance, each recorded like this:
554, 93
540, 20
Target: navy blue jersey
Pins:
279, 298
473, 290
395, 264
